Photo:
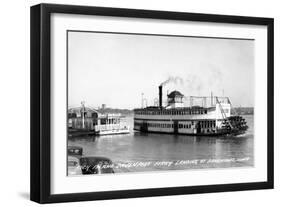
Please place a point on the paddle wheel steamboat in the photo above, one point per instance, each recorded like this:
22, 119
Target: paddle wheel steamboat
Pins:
213, 120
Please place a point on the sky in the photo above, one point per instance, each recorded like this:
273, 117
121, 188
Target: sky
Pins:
116, 69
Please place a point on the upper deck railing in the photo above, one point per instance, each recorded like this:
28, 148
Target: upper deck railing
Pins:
194, 101
204, 101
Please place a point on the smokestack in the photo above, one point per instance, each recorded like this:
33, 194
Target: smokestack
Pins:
211, 98
160, 96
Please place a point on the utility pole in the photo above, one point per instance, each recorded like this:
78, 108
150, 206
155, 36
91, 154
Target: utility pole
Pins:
83, 114
142, 100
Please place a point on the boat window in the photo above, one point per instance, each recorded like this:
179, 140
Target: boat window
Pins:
102, 121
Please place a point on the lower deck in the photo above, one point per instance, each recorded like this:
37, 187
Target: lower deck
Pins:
177, 126
188, 127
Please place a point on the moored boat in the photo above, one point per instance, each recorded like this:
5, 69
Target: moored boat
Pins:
87, 121
216, 119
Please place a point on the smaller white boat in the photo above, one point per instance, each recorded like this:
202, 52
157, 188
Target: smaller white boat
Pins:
111, 124
87, 121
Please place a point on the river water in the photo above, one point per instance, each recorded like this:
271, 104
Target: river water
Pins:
138, 152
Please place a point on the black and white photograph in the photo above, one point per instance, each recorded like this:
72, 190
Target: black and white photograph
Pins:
139, 103
131, 103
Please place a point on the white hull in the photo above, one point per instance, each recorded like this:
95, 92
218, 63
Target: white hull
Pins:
115, 131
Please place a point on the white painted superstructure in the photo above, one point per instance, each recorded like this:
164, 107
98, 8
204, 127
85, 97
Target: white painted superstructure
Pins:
177, 119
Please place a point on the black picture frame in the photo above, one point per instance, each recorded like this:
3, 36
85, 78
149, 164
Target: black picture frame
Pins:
41, 102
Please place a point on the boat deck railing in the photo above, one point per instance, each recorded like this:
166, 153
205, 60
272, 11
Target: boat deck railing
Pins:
110, 127
204, 101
